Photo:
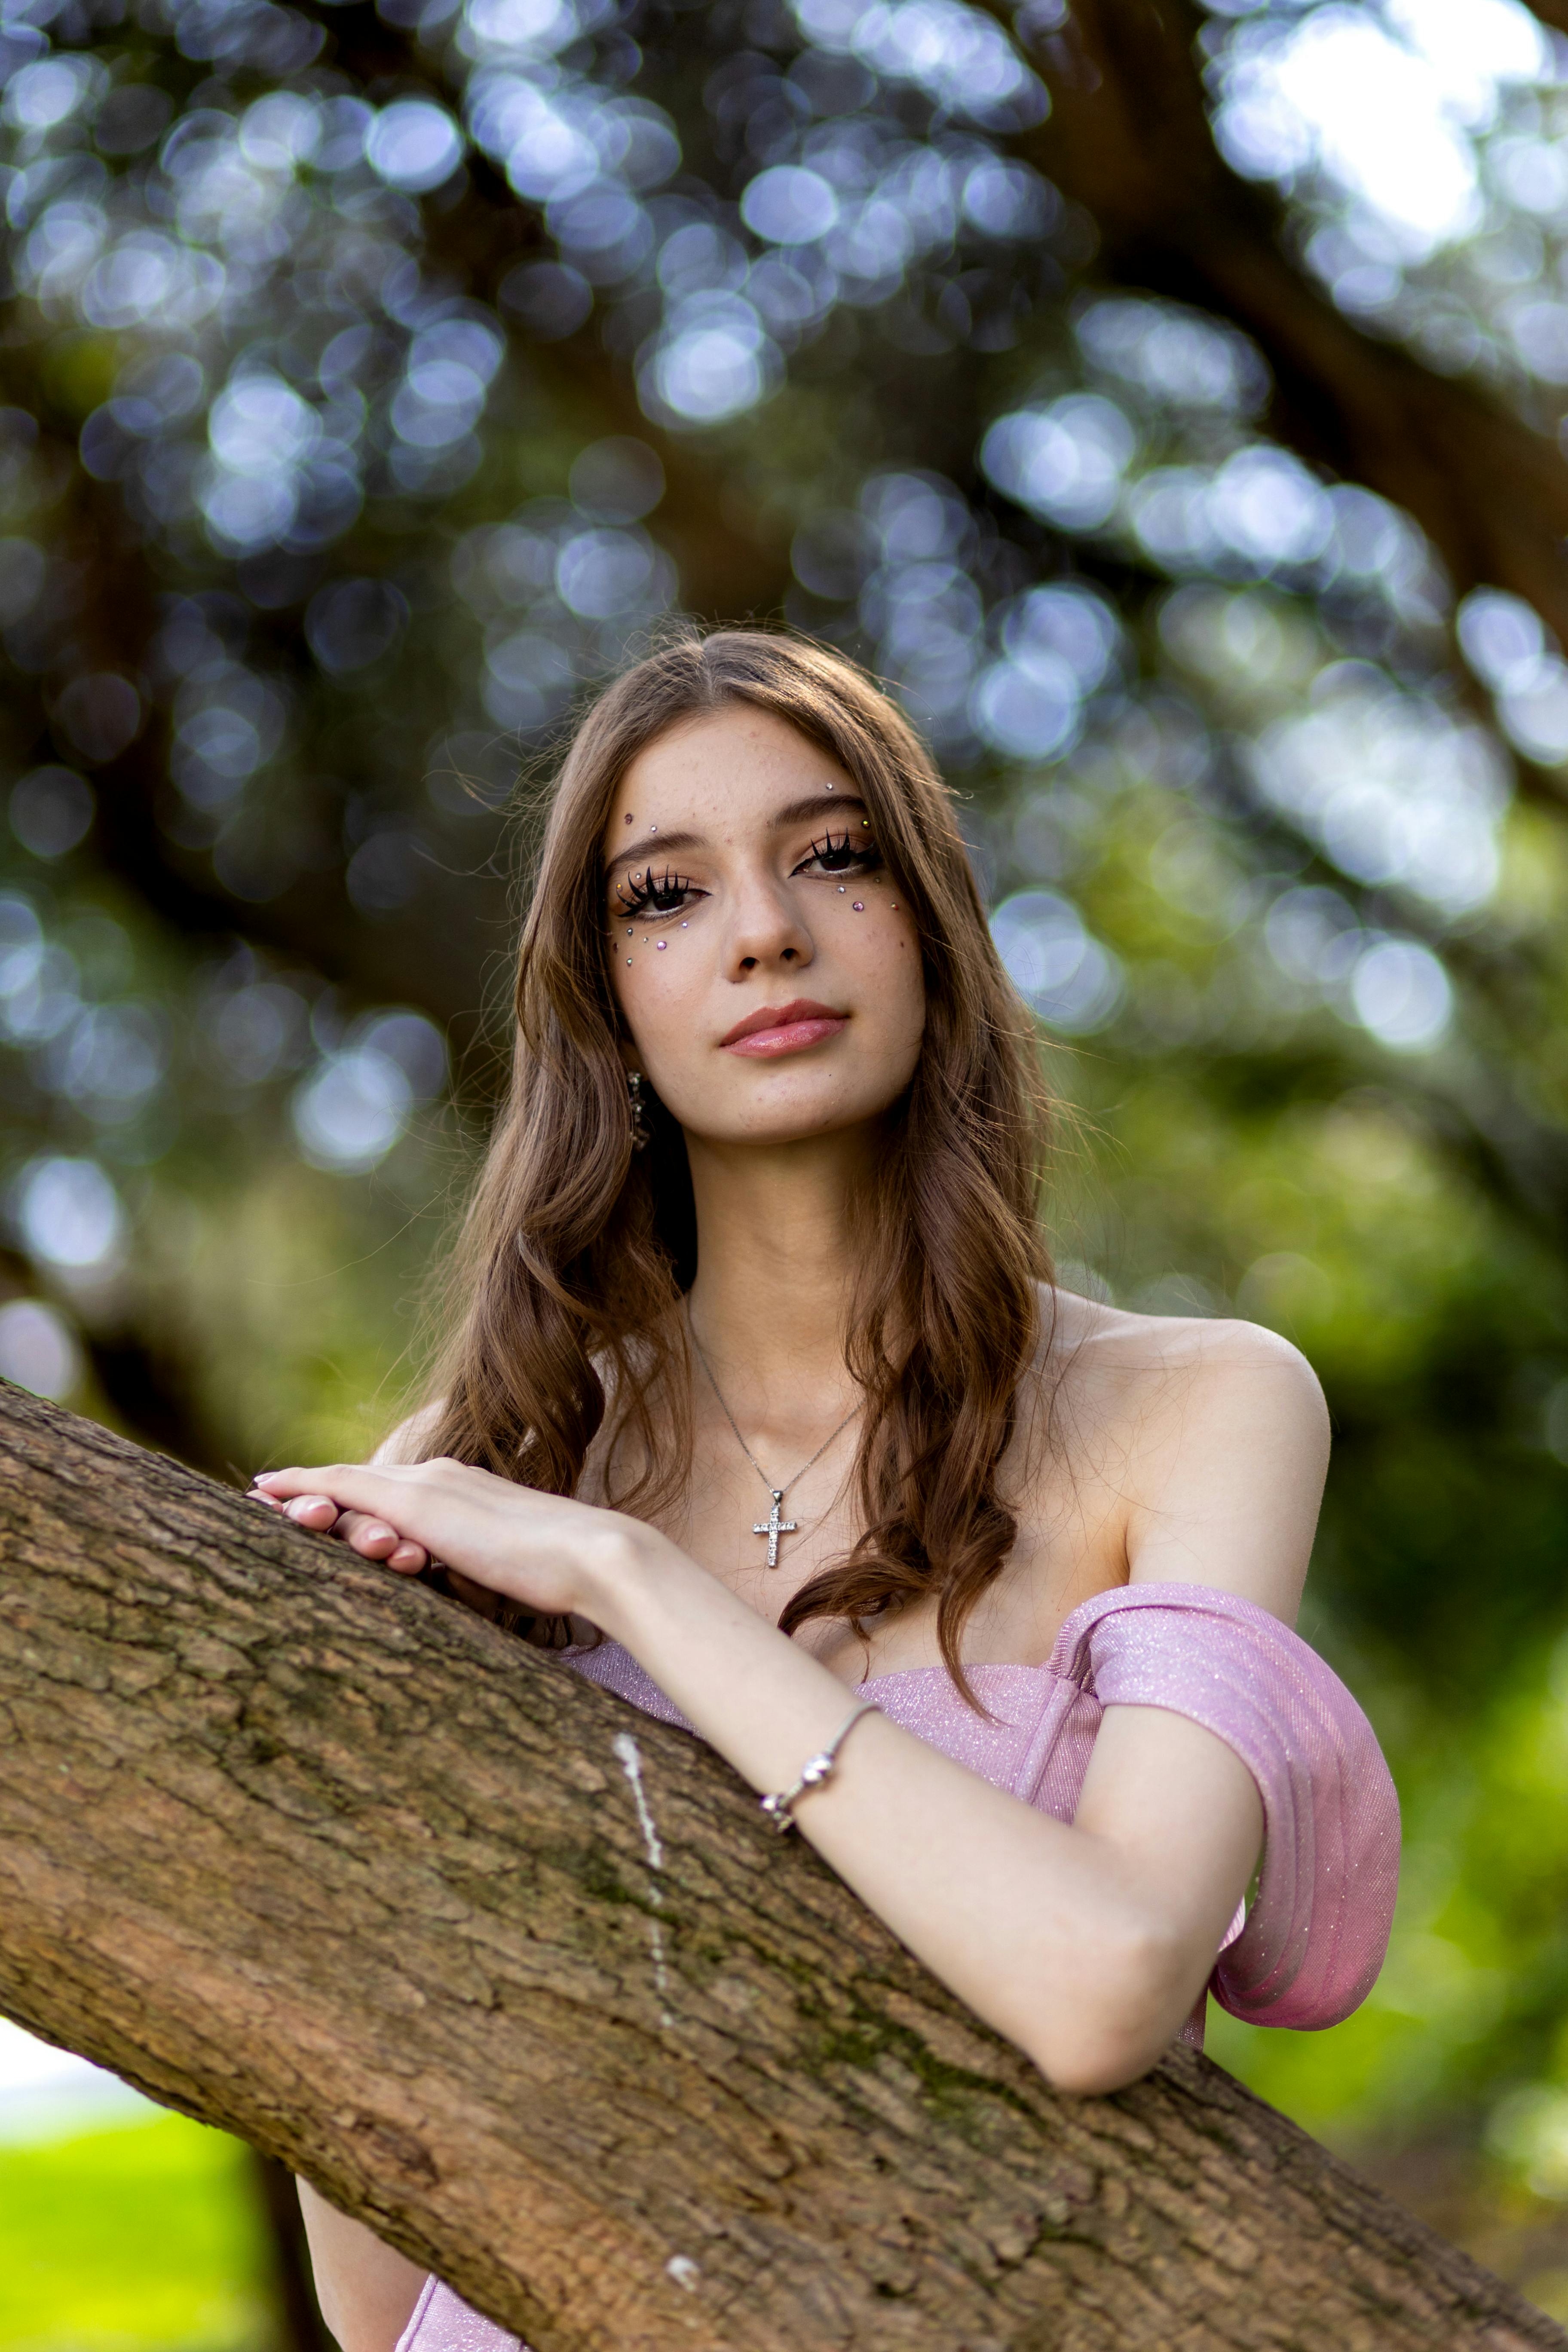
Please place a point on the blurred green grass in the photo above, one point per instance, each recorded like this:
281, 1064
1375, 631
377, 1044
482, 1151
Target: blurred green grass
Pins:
140, 2238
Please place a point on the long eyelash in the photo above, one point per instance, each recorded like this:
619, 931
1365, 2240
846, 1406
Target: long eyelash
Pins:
866, 854
636, 891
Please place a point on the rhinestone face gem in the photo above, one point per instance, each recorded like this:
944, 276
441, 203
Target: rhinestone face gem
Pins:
858, 904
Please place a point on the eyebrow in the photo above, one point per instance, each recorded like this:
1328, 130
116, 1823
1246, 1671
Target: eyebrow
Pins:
795, 812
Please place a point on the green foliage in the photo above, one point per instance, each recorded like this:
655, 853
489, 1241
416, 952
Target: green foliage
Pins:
327, 488
145, 2238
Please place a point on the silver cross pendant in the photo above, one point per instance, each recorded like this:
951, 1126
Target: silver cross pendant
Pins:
773, 1527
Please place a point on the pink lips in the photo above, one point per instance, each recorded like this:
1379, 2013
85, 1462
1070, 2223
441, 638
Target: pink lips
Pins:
776, 1029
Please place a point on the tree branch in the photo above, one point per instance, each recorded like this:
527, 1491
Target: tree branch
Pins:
1129, 139
323, 1859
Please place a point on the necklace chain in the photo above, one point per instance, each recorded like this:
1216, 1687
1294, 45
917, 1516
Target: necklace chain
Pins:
778, 1493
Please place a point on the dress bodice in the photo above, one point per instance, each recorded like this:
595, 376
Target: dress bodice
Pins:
1026, 1746
1314, 1937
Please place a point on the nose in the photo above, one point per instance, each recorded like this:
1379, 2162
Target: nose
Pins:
766, 929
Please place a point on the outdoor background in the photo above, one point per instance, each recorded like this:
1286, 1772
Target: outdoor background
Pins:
1167, 406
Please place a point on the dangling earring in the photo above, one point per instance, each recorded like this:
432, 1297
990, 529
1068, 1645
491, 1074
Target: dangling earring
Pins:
640, 1129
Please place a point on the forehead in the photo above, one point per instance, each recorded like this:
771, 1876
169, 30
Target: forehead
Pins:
738, 762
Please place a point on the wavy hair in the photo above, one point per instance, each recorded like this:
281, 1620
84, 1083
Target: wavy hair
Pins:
565, 1286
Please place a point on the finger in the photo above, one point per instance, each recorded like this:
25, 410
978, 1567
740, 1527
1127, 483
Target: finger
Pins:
317, 1512
375, 1539
314, 1511
352, 1523
351, 1485
362, 1495
372, 1538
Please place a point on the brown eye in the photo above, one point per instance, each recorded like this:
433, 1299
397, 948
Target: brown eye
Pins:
840, 853
653, 894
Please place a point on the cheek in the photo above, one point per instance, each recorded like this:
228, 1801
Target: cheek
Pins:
654, 977
880, 945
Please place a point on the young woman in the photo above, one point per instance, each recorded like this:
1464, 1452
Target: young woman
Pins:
762, 1406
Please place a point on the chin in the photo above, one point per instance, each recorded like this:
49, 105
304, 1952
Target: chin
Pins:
803, 1123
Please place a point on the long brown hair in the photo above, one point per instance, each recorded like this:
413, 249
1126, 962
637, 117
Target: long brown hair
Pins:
567, 1279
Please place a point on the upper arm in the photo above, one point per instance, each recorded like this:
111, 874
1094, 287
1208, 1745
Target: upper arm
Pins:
368, 2291
1227, 1468
1226, 1475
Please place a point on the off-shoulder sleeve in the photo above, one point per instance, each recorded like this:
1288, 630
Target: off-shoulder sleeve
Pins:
1316, 1934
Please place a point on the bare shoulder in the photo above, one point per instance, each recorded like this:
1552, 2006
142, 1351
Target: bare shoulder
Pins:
1214, 1432
410, 1441
1119, 1362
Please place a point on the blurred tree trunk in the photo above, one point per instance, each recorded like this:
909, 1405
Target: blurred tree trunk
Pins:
300, 2323
521, 1978
1128, 137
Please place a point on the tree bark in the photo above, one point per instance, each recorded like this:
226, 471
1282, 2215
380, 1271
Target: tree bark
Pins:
521, 1978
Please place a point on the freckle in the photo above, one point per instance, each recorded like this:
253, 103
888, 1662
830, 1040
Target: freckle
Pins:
858, 904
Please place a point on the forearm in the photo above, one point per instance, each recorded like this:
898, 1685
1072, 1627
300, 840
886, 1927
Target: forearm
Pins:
1084, 1945
1059, 1939
368, 2291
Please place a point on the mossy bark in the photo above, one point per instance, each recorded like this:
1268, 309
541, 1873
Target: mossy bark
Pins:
323, 1859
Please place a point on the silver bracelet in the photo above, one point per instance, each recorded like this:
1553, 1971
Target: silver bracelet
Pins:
780, 1809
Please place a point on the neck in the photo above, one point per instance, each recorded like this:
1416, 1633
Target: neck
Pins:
775, 1265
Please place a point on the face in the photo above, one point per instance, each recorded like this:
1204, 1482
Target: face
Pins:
767, 970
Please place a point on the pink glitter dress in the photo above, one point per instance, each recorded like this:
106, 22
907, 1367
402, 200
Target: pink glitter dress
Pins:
1308, 1948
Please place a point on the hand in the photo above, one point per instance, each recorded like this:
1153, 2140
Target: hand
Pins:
550, 1554
362, 1530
